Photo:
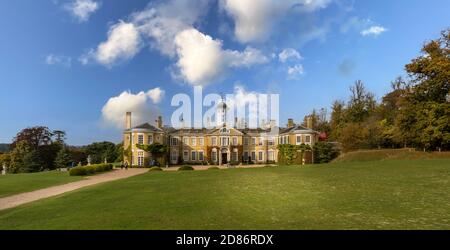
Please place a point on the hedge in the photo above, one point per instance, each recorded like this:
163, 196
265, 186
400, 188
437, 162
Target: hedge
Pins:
92, 169
185, 168
155, 169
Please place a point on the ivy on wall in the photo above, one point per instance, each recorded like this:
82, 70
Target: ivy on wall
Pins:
158, 150
291, 154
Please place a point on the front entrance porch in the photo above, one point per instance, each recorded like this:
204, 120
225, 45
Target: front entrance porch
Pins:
224, 159
224, 156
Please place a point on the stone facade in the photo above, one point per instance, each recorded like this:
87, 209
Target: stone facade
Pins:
218, 146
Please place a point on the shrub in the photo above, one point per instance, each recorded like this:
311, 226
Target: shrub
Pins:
91, 169
155, 169
214, 168
88, 170
185, 168
78, 171
325, 152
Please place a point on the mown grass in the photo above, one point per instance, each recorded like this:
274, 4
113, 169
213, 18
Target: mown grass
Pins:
392, 194
390, 154
19, 183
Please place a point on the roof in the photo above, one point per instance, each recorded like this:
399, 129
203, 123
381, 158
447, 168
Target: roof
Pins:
248, 131
297, 129
147, 127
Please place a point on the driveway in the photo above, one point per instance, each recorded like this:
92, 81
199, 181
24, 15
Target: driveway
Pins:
19, 199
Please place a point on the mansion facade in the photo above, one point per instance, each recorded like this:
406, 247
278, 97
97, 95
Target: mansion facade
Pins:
218, 146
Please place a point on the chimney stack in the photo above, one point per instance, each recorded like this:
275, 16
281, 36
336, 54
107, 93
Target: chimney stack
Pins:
159, 122
128, 120
309, 122
290, 123
235, 122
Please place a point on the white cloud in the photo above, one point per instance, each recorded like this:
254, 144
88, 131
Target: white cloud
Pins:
254, 20
156, 95
52, 59
289, 53
123, 43
82, 9
162, 22
250, 56
168, 27
113, 112
373, 31
295, 71
202, 59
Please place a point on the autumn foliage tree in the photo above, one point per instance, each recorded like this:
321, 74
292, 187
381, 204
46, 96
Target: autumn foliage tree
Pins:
414, 114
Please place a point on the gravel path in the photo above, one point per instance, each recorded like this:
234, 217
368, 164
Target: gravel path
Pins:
19, 199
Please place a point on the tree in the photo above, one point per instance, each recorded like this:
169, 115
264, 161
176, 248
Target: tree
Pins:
101, 150
431, 71
48, 154
324, 152
337, 119
362, 103
34, 136
119, 152
423, 117
63, 158
78, 154
60, 136
32, 162
17, 164
353, 137
5, 158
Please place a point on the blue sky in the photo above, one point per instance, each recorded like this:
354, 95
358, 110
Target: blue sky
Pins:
62, 61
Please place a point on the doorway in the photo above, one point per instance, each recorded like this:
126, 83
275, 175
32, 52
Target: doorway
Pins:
224, 158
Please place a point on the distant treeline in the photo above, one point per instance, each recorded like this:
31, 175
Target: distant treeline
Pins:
4, 147
38, 148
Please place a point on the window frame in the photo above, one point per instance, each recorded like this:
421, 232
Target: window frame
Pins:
140, 139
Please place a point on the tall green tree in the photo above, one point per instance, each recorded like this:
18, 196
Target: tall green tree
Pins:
17, 164
63, 158
423, 117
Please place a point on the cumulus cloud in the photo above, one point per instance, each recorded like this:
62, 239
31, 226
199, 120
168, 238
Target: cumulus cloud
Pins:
82, 9
161, 22
156, 95
202, 59
142, 105
52, 59
254, 20
123, 43
289, 53
168, 27
373, 31
295, 71
200, 56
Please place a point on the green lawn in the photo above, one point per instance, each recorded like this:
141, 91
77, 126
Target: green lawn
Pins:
393, 194
20, 183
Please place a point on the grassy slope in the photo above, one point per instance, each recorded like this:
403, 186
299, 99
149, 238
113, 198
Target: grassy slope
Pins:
19, 183
393, 194
390, 154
